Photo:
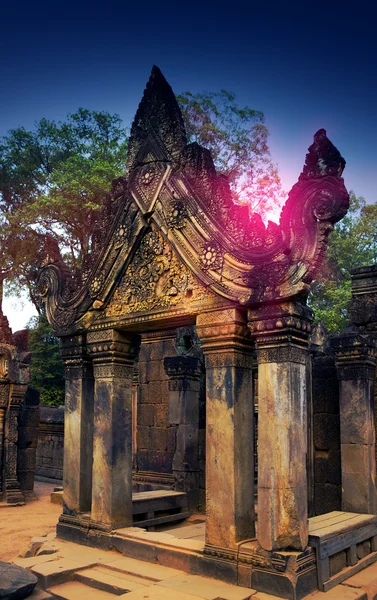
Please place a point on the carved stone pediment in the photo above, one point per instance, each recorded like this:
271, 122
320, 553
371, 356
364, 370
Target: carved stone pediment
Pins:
170, 234
156, 280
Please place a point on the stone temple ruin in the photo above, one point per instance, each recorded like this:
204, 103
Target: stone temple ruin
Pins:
189, 310
19, 416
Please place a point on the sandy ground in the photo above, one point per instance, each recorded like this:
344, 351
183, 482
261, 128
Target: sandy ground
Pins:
18, 524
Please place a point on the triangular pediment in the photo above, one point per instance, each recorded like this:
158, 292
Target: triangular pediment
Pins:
157, 280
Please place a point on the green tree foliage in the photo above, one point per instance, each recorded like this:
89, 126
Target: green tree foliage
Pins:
53, 180
352, 244
238, 141
46, 370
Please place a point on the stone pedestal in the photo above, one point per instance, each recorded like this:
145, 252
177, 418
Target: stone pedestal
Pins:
281, 334
355, 357
113, 364
229, 427
284, 574
184, 387
78, 426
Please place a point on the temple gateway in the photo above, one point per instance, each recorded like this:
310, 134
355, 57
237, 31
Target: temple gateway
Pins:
189, 310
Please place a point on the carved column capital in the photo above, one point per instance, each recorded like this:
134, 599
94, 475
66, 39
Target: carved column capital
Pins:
355, 356
17, 393
73, 350
113, 353
222, 332
281, 332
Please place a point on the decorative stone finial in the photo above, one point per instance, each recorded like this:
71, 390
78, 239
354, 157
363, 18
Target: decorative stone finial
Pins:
322, 159
159, 113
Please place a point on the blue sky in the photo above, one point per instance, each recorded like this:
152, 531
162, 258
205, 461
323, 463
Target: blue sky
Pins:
306, 66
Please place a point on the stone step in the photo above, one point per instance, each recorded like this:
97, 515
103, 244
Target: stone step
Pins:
150, 572
75, 590
150, 508
108, 580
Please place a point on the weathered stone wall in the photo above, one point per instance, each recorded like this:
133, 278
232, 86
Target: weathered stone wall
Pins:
49, 460
155, 436
326, 436
28, 431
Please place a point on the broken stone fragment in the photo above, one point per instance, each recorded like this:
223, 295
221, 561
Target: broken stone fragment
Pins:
46, 548
33, 547
16, 583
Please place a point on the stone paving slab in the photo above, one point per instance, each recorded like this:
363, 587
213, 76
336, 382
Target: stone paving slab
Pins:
74, 590
110, 581
164, 538
364, 577
155, 592
79, 553
28, 563
339, 592
263, 596
206, 587
54, 572
149, 571
189, 531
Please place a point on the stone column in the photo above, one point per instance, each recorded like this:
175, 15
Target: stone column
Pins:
184, 387
113, 364
229, 427
78, 426
13, 494
281, 334
355, 358
4, 400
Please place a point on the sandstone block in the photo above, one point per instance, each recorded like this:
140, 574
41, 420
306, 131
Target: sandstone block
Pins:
146, 414
143, 437
161, 415
143, 393
158, 438
153, 370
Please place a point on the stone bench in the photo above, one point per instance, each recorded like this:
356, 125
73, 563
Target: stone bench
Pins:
344, 543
